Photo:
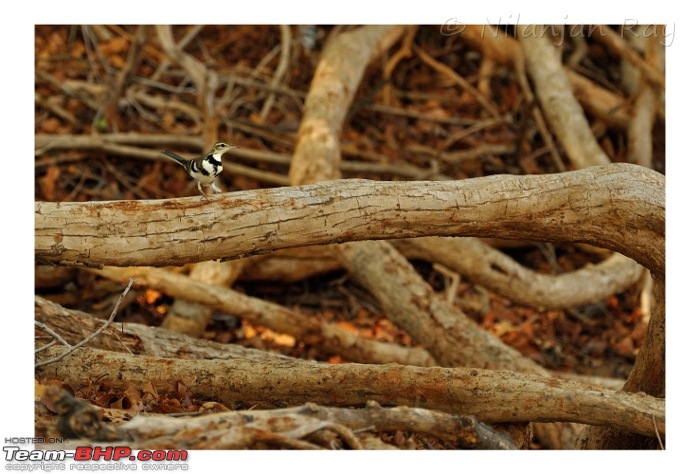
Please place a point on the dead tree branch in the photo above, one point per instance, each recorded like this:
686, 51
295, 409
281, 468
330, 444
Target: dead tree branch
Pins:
496, 271
491, 396
619, 206
234, 430
328, 100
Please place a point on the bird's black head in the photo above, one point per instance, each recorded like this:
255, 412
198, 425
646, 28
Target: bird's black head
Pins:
221, 146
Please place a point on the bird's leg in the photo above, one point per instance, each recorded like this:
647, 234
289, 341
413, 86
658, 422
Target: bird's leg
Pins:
215, 188
199, 186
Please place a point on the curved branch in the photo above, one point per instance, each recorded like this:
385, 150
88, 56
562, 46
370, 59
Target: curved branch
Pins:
618, 206
498, 272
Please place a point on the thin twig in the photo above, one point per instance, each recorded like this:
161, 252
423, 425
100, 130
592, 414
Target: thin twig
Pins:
614, 41
43, 327
55, 109
286, 47
182, 44
386, 109
93, 335
111, 109
447, 71
405, 51
42, 76
656, 430
453, 278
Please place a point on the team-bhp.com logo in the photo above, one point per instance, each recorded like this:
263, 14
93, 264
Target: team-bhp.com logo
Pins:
89, 453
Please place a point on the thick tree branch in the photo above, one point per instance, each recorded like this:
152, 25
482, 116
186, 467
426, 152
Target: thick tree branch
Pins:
491, 396
134, 338
620, 207
410, 303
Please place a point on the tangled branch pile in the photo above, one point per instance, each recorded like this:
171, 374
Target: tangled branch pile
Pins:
440, 274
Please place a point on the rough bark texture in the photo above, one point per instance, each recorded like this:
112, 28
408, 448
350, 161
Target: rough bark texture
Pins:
246, 429
600, 206
648, 376
618, 206
74, 326
491, 396
501, 274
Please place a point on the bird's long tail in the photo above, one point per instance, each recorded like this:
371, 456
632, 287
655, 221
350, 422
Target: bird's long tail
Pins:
175, 157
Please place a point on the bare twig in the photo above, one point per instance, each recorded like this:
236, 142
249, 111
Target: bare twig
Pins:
615, 41
260, 312
205, 80
405, 51
451, 277
111, 110
120, 144
442, 69
54, 108
66, 89
43, 327
93, 335
182, 44
656, 431
387, 109
282, 66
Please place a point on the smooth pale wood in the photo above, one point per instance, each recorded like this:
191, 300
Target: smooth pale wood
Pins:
336, 79
501, 274
192, 318
554, 93
491, 396
134, 338
617, 206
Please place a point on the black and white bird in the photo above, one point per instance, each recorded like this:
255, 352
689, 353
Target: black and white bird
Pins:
206, 168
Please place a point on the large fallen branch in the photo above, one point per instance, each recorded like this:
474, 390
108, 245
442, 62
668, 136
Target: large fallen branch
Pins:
74, 326
618, 206
453, 339
491, 396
